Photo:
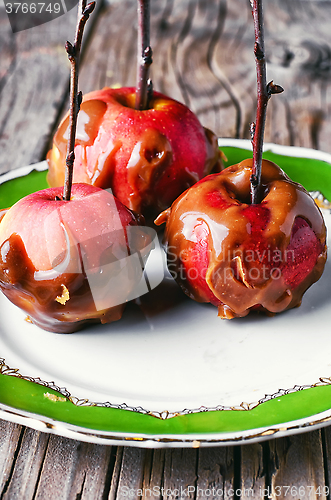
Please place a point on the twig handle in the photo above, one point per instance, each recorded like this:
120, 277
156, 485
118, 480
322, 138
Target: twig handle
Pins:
264, 92
144, 87
73, 52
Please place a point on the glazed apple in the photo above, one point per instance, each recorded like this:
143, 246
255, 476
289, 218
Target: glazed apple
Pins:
147, 157
69, 263
241, 256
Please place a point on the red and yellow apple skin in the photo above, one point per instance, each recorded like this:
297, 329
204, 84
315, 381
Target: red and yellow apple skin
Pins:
148, 158
242, 257
54, 256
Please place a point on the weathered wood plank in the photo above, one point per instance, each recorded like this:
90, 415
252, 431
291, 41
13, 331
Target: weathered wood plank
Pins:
154, 475
326, 442
34, 76
25, 474
252, 472
215, 473
110, 58
10, 435
72, 469
180, 473
128, 474
296, 467
158, 474
33, 86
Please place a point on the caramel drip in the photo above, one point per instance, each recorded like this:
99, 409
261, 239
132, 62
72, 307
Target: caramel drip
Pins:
247, 244
38, 298
213, 161
43, 299
3, 213
149, 159
89, 121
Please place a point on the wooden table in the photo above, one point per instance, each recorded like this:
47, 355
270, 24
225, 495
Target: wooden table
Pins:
203, 57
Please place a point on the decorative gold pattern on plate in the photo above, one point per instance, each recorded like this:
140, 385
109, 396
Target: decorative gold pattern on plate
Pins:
6, 370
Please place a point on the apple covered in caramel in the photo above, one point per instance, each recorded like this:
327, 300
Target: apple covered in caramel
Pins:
147, 157
241, 256
71, 263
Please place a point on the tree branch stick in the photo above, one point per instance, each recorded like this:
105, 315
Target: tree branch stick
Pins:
73, 52
264, 92
145, 53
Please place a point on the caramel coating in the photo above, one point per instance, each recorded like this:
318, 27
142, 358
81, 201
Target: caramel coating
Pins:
147, 158
238, 256
67, 274
41, 299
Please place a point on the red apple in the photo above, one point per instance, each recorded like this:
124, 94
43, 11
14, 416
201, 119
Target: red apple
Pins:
241, 256
147, 158
67, 263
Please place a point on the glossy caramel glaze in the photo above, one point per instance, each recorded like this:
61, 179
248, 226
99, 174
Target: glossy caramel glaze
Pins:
40, 298
238, 256
69, 289
148, 158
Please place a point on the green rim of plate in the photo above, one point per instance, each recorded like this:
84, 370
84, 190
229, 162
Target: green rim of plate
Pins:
40, 400
14, 189
35, 398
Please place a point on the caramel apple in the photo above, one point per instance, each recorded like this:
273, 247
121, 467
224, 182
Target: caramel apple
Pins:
145, 146
147, 157
74, 255
248, 238
71, 263
241, 256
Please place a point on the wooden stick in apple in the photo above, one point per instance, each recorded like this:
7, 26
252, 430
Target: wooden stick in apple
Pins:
144, 86
264, 92
143, 145
215, 237
73, 52
56, 252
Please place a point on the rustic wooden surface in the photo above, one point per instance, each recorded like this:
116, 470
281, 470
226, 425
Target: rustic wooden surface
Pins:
203, 57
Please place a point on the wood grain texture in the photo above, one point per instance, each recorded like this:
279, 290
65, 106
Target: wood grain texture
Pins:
253, 480
215, 473
26, 466
10, 436
34, 78
130, 470
72, 469
296, 467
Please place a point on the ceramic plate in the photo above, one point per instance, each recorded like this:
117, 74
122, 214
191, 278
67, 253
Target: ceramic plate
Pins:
170, 372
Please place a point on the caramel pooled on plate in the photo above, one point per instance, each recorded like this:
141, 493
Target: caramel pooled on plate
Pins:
241, 257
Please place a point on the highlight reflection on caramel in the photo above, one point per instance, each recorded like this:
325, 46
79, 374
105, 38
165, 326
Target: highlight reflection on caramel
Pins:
147, 158
89, 120
239, 256
38, 298
70, 263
